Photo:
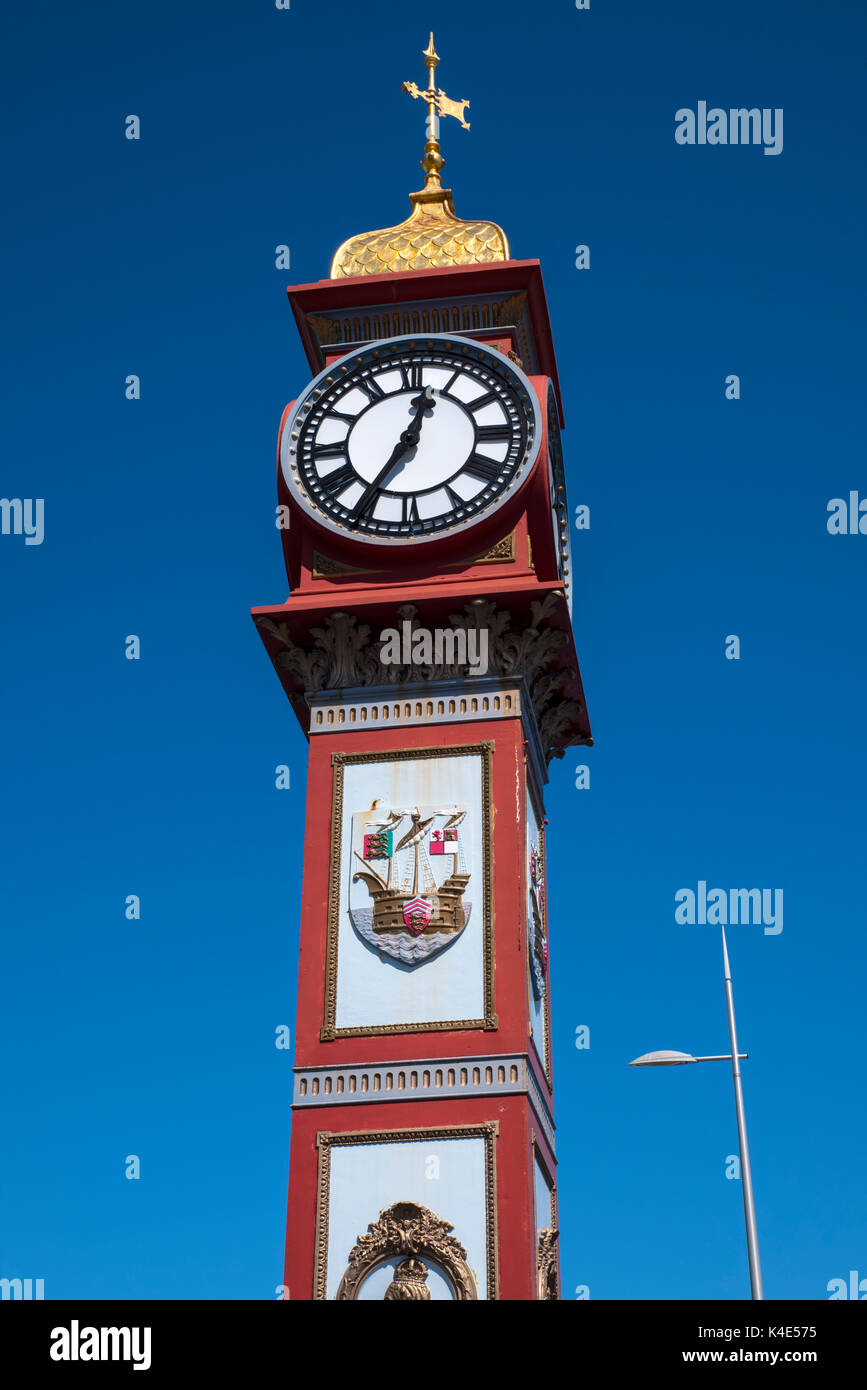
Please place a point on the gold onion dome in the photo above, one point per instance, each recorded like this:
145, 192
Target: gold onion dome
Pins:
433, 236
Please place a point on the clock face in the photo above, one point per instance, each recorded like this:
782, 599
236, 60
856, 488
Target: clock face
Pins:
559, 504
411, 439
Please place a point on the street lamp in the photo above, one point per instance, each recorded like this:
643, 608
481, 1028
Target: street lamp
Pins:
679, 1059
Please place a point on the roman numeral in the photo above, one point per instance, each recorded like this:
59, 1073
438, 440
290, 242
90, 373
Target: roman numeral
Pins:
371, 388
485, 469
411, 375
451, 381
365, 506
456, 501
329, 451
494, 434
339, 480
481, 401
410, 510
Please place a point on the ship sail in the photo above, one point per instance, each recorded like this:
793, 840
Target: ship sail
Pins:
418, 830
407, 896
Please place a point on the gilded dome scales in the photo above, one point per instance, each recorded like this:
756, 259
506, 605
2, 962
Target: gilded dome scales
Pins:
433, 236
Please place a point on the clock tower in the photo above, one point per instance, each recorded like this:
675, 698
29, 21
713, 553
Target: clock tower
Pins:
427, 650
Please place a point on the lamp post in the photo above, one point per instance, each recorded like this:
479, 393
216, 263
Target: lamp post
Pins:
678, 1059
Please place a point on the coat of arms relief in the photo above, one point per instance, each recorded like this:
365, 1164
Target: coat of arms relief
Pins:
409, 878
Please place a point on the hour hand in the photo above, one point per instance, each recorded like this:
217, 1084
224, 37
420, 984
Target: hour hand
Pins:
408, 440
423, 402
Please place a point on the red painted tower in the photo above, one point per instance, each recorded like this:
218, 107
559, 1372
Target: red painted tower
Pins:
427, 651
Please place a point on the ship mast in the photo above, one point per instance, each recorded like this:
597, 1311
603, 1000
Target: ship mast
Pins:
415, 820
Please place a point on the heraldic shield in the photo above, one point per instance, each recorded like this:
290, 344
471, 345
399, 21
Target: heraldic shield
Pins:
409, 879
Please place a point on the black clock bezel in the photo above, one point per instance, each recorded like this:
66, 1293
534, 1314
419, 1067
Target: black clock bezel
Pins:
514, 390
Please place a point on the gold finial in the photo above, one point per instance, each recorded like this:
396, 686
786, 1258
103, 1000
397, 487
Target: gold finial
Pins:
438, 105
433, 236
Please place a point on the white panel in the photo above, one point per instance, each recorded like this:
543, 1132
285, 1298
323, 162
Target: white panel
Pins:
543, 1201
538, 1007
374, 989
445, 1175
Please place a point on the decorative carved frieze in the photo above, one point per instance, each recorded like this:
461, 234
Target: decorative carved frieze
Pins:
346, 653
326, 330
443, 1078
410, 1230
472, 316
510, 311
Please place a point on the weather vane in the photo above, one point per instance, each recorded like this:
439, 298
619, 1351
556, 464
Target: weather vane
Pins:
438, 105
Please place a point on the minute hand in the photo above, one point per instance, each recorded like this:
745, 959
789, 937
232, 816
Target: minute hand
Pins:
408, 440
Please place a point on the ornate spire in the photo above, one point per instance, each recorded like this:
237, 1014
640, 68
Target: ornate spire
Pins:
433, 235
438, 105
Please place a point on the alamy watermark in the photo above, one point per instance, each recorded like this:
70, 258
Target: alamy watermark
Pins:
23, 516
847, 518
77, 1343
722, 907
22, 1289
855, 1287
737, 126
439, 646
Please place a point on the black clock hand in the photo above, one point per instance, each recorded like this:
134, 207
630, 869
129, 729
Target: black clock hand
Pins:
408, 440
412, 433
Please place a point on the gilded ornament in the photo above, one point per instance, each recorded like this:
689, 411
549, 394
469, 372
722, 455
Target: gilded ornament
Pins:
433, 236
410, 1230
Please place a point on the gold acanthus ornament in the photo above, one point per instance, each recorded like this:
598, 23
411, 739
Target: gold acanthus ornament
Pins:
433, 235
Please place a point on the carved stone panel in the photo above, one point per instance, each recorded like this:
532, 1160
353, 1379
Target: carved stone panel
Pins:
410, 1230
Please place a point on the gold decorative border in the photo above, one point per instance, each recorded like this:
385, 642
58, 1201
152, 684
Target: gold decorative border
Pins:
503, 550
324, 567
554, 1213
538, 1155
326, 1141
531, 797
329, 1030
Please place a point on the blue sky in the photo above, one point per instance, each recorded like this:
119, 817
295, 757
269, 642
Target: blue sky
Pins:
708, 518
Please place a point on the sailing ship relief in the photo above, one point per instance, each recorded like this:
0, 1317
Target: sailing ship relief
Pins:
410, 864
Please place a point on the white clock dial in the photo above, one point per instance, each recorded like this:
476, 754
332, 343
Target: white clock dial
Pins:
411, 438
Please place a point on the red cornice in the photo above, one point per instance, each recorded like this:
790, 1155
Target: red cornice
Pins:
379, 608
355, 291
